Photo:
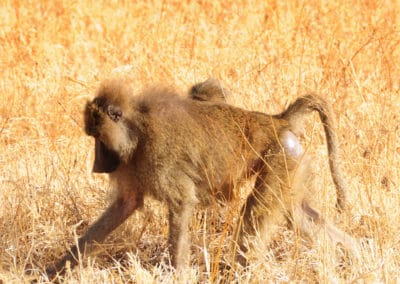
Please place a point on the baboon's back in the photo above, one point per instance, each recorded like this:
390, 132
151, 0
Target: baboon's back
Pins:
209, 142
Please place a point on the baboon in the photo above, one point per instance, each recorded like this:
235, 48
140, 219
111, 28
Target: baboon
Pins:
210, 90
185, 152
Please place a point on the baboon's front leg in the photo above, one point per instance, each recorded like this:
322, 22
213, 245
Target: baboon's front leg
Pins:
114, 216
179, 248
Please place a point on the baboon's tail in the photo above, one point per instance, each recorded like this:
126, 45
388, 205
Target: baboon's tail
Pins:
310, 103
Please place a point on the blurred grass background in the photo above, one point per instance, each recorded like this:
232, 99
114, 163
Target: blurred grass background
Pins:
53, 54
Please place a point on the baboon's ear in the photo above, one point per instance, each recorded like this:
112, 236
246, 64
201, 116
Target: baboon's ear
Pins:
105, 160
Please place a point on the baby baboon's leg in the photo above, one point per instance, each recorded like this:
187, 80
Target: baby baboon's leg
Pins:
115, 215
272, 198
179, 218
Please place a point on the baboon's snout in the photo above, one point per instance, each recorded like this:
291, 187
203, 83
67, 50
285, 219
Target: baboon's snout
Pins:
93, 119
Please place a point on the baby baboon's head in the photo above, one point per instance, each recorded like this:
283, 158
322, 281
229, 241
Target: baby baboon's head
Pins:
210, 90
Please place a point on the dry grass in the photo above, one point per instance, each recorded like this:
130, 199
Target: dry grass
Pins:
53, 55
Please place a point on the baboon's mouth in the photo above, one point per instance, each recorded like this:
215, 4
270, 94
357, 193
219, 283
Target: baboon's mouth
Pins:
91, 131
105, 160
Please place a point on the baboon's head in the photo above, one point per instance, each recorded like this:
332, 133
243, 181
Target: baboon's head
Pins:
106, 119
210, 90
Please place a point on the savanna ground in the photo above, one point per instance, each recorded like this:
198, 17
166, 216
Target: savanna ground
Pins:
53, 54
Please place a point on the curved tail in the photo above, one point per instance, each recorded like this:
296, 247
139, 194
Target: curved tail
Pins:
309, 103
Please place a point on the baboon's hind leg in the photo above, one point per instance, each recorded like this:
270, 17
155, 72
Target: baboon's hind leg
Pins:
267, 206
311, 223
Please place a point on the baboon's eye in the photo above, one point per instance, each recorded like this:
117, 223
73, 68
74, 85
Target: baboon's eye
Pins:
114, 113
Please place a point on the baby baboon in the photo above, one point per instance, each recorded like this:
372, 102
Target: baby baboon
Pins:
209, 90
158, 144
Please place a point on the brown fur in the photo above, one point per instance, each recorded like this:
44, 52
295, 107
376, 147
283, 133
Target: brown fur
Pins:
158, 144
210, 90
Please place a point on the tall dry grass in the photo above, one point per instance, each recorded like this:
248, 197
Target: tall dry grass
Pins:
53, 55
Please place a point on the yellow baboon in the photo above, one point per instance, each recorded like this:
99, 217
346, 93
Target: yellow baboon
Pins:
187, 152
